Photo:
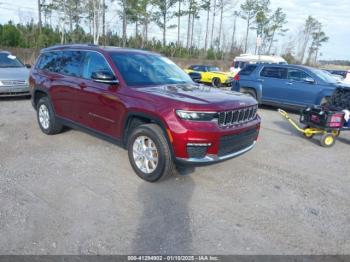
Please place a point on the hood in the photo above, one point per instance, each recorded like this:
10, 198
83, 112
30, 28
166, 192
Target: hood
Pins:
14, 73
344, 85
201, 96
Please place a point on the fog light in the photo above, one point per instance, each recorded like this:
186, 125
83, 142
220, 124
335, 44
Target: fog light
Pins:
197, 150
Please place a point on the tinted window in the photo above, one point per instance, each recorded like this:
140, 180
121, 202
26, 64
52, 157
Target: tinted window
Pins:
297, 75
236, 64
213, 69
50, 61
94, 62
274, 72
243, 64
71, 63
8, 60
247, 70
198, 68
139, 69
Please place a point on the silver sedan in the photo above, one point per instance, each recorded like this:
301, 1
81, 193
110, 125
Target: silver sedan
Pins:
13, 76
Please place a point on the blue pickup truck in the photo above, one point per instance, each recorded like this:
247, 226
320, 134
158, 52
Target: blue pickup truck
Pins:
292, 86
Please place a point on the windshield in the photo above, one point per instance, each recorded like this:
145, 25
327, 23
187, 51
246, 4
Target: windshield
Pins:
139, 69
8, 60
325, 76
213, 69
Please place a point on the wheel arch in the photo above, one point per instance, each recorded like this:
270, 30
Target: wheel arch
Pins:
249, 88
37, 94
323, 94
144, 118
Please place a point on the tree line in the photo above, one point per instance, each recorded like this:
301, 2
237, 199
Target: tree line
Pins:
84, 21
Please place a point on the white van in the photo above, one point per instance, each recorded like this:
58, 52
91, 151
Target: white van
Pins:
241, 61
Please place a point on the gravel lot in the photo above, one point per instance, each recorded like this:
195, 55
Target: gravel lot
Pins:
75, 194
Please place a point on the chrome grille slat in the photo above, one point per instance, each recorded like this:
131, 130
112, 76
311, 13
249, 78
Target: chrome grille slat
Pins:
237, 116
13, 82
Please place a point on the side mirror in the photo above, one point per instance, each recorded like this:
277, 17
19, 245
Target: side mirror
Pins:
309, 80
105, 77
28, 66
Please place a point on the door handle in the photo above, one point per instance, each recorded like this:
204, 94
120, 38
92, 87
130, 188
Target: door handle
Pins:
82, 85
289, 83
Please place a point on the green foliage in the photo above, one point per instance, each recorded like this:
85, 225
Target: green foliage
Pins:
81, 21
10, 35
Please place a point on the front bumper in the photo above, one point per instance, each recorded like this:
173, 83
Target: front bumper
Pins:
215, 158
206, 142
21, 90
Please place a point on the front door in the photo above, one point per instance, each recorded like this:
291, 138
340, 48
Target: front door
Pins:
302, 89
101, 108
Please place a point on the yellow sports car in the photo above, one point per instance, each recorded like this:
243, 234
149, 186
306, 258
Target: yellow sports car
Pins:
210, 75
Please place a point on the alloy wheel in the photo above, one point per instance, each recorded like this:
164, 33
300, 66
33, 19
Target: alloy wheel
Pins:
145, 154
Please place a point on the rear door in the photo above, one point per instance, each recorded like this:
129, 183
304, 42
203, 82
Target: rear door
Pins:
302, 89
67, 91
273, 81
50, 67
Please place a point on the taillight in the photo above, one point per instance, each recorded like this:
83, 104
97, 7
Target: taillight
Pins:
236, 78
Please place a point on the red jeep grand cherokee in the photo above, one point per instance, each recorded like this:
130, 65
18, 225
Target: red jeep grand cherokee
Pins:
144, 102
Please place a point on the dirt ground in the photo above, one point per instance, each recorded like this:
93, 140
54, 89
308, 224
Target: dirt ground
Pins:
75, 194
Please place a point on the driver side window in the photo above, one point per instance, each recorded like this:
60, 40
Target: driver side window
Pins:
297, 75
94, 62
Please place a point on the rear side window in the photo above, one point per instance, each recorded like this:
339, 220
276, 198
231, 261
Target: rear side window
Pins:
243, 64
94, 62
198, 68
50, 61
274, 72
72, 62
247, 70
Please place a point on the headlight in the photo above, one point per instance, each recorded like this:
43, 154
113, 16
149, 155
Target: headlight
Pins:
196, 115
1, 84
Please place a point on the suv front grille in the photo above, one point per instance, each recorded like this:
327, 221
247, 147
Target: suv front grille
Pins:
237, 116
236, 142
13, 82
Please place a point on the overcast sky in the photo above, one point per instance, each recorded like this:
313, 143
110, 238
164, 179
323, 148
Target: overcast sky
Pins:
334, 16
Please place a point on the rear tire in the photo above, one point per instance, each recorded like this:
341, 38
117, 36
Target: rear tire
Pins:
149, 153
215, 82
47, 119
250, 93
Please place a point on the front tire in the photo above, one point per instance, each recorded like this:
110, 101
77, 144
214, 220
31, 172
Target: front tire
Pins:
327, 140
325, 101
47, 120
149, 153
